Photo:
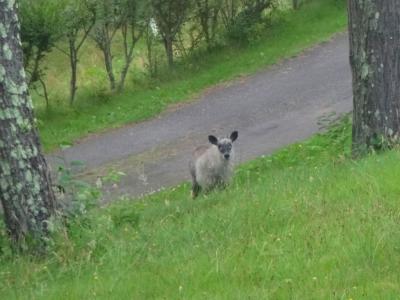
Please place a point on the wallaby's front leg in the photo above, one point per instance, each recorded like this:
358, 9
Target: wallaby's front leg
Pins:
195, 189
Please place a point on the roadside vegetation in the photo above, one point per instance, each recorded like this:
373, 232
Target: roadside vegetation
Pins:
151, 86
306, 222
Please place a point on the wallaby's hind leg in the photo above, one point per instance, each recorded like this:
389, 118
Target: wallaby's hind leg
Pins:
195, 186
195, 189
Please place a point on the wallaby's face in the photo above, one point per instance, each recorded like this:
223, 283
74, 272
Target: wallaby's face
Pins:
224, 144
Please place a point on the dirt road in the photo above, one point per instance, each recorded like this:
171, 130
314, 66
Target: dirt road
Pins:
270, 109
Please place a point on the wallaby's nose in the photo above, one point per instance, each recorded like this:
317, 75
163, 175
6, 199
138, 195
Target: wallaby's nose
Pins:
226, 156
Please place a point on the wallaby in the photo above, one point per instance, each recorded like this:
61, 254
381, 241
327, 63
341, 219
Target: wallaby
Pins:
212, 165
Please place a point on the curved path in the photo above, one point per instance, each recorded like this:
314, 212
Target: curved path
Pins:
270, 109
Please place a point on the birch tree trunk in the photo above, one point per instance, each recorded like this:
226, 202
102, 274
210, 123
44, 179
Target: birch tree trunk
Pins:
25, 186
375, 61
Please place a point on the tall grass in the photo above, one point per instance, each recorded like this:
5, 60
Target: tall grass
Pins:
290, 32
304, 223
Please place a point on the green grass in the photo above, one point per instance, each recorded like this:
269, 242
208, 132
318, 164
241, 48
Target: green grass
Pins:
290, 33
304, 223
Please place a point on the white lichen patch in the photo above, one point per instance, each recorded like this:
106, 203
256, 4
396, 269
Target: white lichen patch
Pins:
36, 184
10, 86
28, 176
15, 100
22, 73
25, 125
2, 73
7, 52
3, 31
23, 88
3, 183
364, 71
11, 4
5, 168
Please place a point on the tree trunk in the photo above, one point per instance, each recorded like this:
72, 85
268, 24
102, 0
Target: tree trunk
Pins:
204, 16
109, 66
124, 72
73, 60
375, 61
296, 4
128, 51
169, 51
25, 186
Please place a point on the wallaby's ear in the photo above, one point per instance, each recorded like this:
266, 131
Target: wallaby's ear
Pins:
213, 140
234, 136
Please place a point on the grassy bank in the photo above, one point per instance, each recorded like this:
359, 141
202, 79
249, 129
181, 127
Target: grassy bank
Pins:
290, 33
305, 223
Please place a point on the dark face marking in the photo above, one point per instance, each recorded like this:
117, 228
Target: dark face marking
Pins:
224, 144
225, 148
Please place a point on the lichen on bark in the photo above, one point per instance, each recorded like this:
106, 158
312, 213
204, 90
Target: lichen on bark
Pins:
375, 61
25, 185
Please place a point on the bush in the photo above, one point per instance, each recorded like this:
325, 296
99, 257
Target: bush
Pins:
248, 24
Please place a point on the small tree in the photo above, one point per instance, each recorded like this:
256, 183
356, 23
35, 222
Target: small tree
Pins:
128, 17
41, 28
151, 36
229, 11
170, 16
241, 28
207, 13
374, 58
25, 186
134, 18
107, 23
79, 19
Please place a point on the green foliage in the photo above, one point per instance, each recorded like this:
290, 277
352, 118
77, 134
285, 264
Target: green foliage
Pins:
248, 23
170, 15
41, 28
41, 25
77, 15
76, 196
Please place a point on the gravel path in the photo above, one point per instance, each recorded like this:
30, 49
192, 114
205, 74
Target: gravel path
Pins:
270, 109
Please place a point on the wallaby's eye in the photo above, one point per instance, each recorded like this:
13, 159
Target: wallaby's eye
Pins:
220, 147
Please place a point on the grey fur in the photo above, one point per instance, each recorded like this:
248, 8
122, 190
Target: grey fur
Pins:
212, 165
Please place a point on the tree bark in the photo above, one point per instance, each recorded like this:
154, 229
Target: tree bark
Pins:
26, 191
73, 60
296, 4
169, 51
128, 33
375, 60
108, 61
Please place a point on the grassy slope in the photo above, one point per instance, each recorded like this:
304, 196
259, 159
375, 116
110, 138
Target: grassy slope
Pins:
289, 34
305, 223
